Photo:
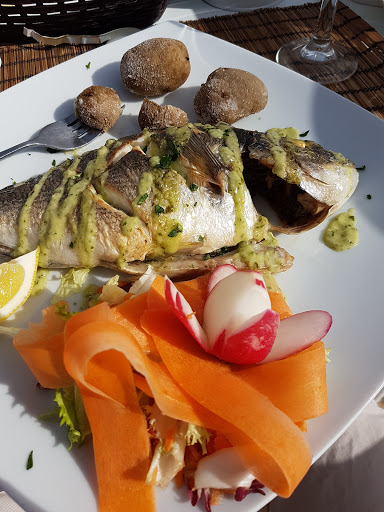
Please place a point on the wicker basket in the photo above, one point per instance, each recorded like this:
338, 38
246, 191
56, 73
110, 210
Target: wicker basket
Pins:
58, 17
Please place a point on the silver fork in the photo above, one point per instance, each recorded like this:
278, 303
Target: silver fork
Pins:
70, 133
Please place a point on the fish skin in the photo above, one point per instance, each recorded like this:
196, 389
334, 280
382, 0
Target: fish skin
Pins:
187, 266
12, 200
317, 181
119, 186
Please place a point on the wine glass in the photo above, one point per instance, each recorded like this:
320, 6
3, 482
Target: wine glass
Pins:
318, 57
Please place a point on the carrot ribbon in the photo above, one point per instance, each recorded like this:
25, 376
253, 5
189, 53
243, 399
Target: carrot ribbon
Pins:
94, 357
41, 346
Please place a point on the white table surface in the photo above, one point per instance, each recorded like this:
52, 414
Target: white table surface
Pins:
182, 10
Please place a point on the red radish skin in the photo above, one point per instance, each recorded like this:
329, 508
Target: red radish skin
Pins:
251, 344
184, 313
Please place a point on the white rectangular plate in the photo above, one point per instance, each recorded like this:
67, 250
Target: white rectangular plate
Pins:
348, 285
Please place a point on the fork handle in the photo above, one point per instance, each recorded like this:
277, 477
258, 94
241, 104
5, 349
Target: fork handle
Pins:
22, 145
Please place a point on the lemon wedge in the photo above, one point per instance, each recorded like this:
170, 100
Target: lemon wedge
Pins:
17, 278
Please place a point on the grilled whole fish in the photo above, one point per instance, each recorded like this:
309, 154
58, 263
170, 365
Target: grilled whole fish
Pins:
304, 182
175, 199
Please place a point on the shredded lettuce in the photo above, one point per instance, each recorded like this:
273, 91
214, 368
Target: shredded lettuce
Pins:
327, 352
70, 283
196, 434
111, 292
168, 460
144, 283
70, 412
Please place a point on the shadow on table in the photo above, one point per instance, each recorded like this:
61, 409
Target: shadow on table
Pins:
348, 476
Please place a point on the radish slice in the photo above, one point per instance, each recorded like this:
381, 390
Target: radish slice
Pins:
184, 313
298, 332
218, 274
252, 343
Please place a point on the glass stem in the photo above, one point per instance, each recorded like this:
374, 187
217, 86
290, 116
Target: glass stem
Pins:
322, 36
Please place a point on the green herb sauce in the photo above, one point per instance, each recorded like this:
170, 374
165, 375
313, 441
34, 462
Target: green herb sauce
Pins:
60, 211
24, 218
41, 281
231, 156
268, 259
279, 155
341, 233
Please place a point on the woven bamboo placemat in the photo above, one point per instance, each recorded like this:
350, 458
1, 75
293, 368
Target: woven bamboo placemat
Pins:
262, 31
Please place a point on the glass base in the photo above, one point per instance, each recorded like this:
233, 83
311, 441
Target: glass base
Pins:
242, 5
322, 62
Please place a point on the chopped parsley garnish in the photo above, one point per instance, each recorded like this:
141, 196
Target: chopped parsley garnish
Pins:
195, 204
369, 196
53, 163
193, 187
142, 199
165, 162
362, 168
304, 134
177, 229
88, 65
219, 252
71, 245
201, 238
30, 460
174, 150
13, 181
227, 131
158, 209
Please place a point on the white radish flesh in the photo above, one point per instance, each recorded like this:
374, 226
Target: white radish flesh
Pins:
298, 332
232, 301
218, 274
223, 469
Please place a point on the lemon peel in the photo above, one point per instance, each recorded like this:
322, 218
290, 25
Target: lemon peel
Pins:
17, 278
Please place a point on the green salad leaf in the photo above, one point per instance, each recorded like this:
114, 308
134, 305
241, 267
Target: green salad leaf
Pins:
70, 412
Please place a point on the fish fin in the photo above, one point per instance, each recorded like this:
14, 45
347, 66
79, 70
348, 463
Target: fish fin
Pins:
203, 165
